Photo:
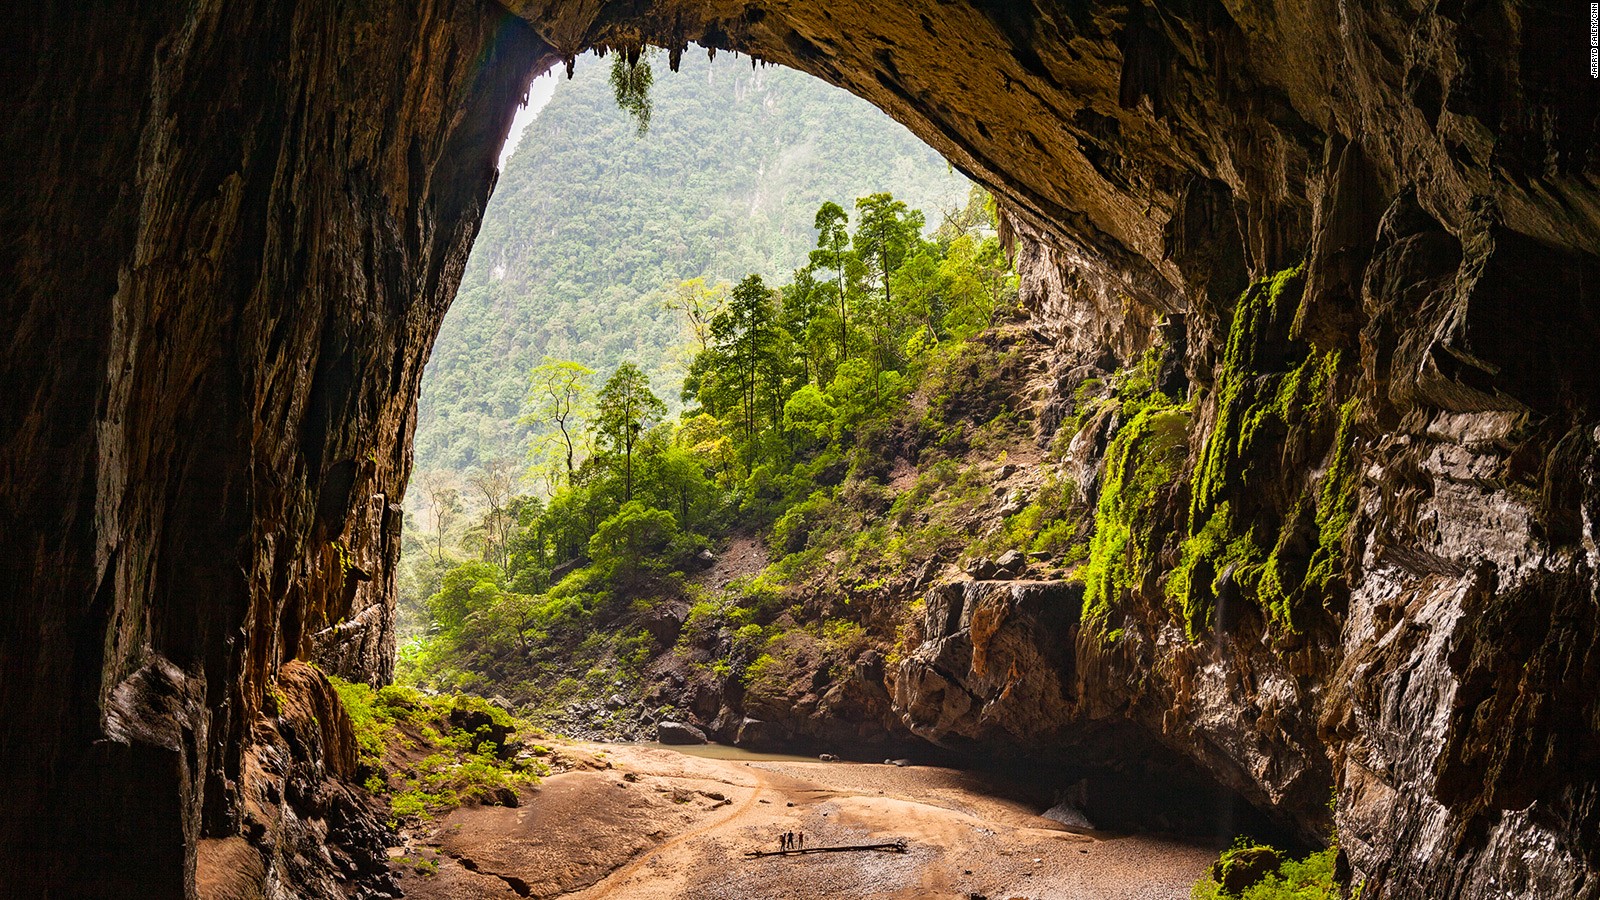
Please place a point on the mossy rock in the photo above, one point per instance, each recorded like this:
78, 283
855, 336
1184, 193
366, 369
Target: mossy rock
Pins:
1242, 868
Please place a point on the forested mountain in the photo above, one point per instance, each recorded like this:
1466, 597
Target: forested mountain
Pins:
803, 398
593, 225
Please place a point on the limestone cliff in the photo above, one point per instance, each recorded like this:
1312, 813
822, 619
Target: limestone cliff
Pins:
232, 232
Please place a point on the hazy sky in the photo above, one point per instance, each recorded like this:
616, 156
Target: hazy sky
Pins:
539, 94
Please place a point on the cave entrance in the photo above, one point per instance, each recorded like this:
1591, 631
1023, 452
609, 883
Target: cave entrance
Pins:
609, 241
604, 231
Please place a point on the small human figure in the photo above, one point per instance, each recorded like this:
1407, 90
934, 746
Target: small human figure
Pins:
802, 840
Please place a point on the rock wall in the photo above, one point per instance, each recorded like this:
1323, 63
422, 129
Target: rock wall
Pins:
233, 232
1429, 170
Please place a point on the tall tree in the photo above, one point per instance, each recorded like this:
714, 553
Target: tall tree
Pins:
627, 408
444, 504
560, 395
833, 246
885, 233
496, 483
745, 337
799, 316
699, 305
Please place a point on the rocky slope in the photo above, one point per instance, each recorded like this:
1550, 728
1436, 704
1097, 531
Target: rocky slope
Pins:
239, 227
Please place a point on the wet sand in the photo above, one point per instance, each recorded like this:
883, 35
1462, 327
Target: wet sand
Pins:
662, 825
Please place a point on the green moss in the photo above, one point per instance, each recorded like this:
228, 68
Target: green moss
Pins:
372, 724
1336, 502
1311, 878
1245, 400
1053, 523
461, 766
1202, 559
1145, 456
1275, 400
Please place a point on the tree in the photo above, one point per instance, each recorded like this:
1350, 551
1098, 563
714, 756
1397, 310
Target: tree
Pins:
560, 395
800, 316
886, 232
622, 545
975, 218
496, 483
444, 504
699, 305
745, 338
833, 247
626, 410
467, 587
923, 289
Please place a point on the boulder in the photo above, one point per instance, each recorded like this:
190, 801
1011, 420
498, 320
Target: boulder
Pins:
982, 569
1239, 870
480, 725
1010, 564
564, 569
679, 733
1015, 502
761, 735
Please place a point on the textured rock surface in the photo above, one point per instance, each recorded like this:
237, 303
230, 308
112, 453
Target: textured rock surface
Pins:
237, 230
231, 234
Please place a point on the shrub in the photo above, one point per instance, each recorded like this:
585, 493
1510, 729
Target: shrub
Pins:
624, 547
1242, 867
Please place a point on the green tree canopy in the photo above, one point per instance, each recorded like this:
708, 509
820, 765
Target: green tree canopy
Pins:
625, 410
560, 395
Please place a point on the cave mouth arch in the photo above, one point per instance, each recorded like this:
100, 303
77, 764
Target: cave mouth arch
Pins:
1146, 791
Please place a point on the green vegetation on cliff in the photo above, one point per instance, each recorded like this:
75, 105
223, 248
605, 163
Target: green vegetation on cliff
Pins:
1270, 500
1276, 408
1250, 871
424, 755
1142, 465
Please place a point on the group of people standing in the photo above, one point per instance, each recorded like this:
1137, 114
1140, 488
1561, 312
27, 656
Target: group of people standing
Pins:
792, 840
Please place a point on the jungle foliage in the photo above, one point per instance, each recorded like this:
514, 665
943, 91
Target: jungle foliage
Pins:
795, 403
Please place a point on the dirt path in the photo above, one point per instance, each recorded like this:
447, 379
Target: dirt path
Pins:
661, 825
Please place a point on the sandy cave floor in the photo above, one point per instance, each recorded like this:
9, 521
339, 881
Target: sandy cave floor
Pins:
661, 825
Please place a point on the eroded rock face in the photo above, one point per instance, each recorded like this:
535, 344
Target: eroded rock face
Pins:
237, 231
231, 234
